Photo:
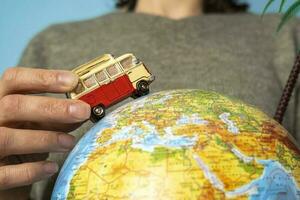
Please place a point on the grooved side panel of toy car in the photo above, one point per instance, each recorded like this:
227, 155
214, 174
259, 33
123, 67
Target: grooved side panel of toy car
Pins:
110, 93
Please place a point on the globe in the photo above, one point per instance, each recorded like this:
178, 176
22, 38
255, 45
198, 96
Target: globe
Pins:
183, 145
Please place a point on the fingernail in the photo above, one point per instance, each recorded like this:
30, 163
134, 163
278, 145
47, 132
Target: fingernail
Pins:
80, 111
51, 167
67, 79
66, 141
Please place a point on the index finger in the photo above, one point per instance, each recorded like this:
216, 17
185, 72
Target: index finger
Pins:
28, 80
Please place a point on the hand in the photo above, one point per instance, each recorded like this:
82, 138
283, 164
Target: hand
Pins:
32, 126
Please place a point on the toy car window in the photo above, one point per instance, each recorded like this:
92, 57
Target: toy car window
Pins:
79, 88
127, 63
90, 82
101, 76
112, 70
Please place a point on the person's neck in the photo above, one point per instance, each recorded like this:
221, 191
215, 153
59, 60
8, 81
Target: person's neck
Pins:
169, 8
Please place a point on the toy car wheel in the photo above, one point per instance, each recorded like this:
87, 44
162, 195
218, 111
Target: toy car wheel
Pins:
98, 112
142, 88
135, 95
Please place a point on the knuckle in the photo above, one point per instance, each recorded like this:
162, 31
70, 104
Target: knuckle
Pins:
46, 139
43, 139
28, 175
4, 178
11, 103
46, 79
5, 141
55, 107
11, 74
51, 142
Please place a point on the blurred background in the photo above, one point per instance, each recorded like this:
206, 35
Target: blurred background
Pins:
21, 20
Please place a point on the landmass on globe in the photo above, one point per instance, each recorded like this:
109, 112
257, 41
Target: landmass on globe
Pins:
183, 145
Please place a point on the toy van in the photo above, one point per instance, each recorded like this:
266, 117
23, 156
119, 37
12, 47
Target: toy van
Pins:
106, 80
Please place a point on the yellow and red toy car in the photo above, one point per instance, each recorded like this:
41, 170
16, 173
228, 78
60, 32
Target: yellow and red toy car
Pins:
106, 80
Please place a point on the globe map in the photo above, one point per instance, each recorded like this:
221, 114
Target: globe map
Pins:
183, 145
